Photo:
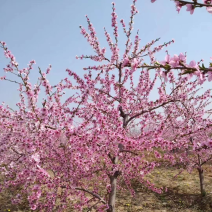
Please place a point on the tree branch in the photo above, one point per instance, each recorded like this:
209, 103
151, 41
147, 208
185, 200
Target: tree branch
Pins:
91, 193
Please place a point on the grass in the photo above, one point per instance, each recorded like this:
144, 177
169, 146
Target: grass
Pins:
183, 194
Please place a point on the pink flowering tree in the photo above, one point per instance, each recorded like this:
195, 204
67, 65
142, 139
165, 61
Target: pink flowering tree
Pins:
130, 98
192, 5
60, 164
189, 127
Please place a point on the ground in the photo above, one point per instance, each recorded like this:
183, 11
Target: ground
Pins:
183, 194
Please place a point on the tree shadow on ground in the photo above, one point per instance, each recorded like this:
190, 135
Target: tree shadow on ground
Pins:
183, 200
172, 200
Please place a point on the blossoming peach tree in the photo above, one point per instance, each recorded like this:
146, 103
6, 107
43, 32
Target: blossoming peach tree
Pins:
189, 128
62, 165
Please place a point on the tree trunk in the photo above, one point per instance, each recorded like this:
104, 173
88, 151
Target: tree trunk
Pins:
113, 179
112, 195
113, 184
201, 179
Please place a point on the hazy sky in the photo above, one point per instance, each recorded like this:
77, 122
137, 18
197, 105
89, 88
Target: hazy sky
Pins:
48, 32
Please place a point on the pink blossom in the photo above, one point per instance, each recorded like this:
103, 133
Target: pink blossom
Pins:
157, 154
210, 76
167, 60
175, 61
178, 6
193, 64
33, 207
134, 64
164, 75
209, 9
126, 61
32, 62
182, 57
36, 157
190, 7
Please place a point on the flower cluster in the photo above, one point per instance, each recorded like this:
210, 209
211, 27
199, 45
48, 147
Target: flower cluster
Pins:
63, 151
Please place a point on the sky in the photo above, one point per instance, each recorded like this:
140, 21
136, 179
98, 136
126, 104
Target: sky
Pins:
47, 31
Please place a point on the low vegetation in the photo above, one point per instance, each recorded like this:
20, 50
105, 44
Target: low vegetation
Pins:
182, 194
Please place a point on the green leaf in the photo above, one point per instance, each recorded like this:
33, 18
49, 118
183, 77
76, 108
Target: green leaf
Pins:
203, 65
